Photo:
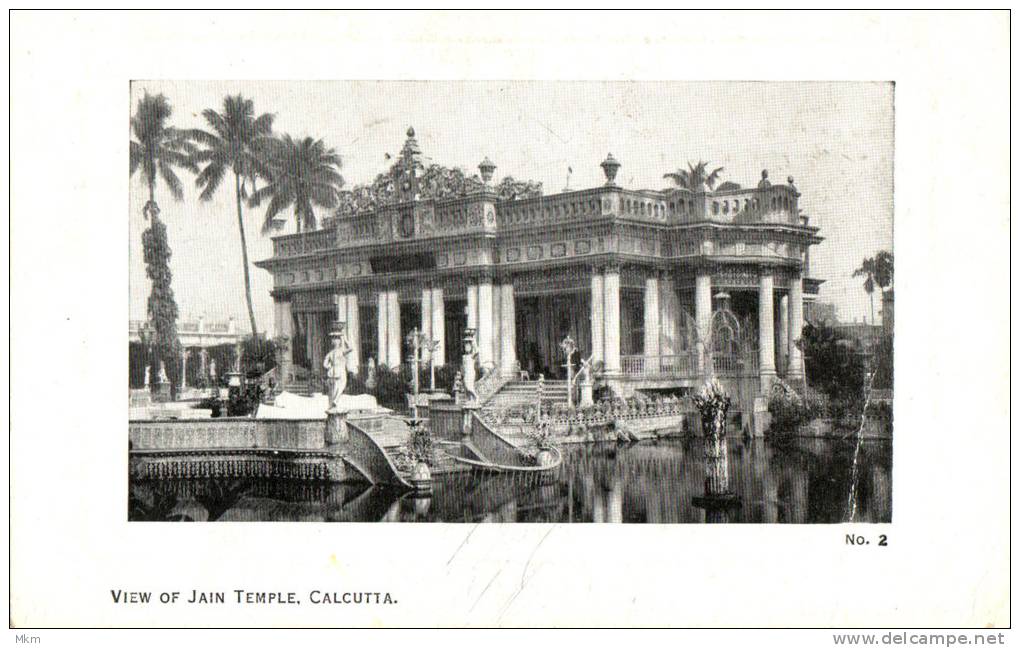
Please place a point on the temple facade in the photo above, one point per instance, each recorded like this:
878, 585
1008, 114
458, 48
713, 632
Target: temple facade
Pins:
658, 288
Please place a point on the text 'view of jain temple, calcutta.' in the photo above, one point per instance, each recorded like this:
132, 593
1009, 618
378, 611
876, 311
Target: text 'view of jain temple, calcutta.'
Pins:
454, 347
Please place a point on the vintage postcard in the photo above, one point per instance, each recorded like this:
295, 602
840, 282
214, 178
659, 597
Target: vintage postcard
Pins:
613, 349
549, 333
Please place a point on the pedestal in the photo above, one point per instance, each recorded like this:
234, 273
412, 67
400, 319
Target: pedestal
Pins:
336, 426
468, 409
587, 399
161, 394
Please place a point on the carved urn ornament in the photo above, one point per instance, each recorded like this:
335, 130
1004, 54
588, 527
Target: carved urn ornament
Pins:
487, 168
610, 166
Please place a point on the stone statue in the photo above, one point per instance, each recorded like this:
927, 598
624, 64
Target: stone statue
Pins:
335, 364
370, 378
212, 371
468, 365
162, 372
584, 376
147, 371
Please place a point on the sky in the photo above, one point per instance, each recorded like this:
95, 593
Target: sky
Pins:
835, 139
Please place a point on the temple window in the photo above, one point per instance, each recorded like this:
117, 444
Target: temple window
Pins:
715, 206
726, 207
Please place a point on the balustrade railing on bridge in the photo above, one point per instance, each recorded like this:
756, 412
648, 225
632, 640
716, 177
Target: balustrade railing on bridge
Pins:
673, 366
685, 366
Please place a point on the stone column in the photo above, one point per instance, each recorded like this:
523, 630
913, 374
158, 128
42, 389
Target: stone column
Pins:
382, 321
284, 326
312, 334
309, 338
766, 331
796, 365
472, 307
611, 285
703, 314
507, 333
485, 317
393, 330
426, 312
652, 316
353, 333
184, 368
784, 333
439, 326
598, 316
347, 314
669, 315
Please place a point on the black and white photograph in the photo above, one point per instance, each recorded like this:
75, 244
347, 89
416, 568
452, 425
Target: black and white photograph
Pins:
507, 311
684, 320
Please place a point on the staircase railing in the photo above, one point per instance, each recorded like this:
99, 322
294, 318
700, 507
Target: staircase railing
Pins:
371, 459
490, 383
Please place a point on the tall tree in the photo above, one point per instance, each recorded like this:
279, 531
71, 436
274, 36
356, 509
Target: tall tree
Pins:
884, 269
868, 271
696, 177
157, 150
232, 144
301, 174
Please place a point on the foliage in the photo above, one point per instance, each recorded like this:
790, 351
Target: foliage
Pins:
834, 367
696, 177
877, 271
540, 435
302, 175
155, 152
419, 447
791, 410
445, 376
258, 355
390, 387
162, 307
234, 138
882, 360
436, 182
883, 266
712, 399
154, 503
158, 148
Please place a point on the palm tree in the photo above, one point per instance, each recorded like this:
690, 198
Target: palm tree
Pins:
156, 151
695, 177
301, 174
868, 271
884, 269
232, 144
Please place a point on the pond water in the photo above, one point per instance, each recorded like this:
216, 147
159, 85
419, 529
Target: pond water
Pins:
807, 481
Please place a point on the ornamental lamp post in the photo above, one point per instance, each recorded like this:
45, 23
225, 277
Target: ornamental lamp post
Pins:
416, 339
569, 348
432, 346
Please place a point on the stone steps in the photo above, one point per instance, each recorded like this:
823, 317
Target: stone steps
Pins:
522, 392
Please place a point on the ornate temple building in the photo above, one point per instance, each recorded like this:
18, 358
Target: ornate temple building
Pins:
643, 281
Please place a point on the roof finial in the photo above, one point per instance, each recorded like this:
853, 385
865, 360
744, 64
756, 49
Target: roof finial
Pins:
487, 168
610, 166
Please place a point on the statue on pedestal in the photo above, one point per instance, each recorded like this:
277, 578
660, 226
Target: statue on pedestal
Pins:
468, 365
162, 372
212, 371
147, 370
584, 376
335, 364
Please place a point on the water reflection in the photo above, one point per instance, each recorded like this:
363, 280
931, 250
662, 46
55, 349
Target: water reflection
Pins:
654, 482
